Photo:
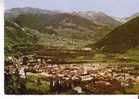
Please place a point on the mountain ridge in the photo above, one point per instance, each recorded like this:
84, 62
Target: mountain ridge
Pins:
121, 39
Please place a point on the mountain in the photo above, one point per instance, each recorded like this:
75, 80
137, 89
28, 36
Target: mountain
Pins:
14, 12
132, 17
121, 20
121, 39
98, 17
60, 29
126, 19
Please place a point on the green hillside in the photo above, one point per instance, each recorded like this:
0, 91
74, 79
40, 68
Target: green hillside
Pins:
18, 38
121, 39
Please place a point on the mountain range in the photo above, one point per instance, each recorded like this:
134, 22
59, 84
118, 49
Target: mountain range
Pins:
61, 29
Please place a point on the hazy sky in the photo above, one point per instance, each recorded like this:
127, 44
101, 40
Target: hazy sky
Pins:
121, 8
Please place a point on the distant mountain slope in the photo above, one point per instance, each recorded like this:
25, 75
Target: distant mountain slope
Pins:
121, 39
132, 17
14, 12
126, 19
121, 20
39, 21
98, 17
66, 29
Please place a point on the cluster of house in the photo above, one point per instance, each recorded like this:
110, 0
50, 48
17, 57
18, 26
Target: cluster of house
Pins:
86, 73
79, 74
